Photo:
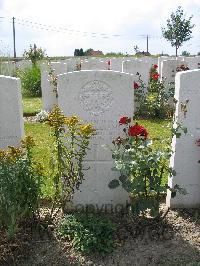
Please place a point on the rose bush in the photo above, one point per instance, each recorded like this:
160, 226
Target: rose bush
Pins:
142, 168
153, 98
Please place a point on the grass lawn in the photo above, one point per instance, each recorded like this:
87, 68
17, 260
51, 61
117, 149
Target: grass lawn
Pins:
31, 105
42, 151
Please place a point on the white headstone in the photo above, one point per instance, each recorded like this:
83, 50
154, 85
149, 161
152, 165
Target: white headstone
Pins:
72, 63
116, 63
160, 59
168, 71
94, 64
100, 98
7, 68
49, 98
192, 62
11, 113
187, 154
23, 64
137, 66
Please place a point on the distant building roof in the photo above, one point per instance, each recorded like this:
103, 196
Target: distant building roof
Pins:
96, 53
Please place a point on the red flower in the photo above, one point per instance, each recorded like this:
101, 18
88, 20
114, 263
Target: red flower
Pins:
198, 142
124, 120
136, 85
137, 130
155, 66
155, 76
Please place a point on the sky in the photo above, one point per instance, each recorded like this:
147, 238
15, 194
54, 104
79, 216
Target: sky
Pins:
108, 25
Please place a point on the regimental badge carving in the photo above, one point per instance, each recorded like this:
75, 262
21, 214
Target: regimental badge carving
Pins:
96, 97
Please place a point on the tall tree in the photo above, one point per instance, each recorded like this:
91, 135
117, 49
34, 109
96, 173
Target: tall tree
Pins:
178, 29
81, 52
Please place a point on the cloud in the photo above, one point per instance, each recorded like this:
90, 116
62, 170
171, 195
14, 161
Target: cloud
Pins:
128, 18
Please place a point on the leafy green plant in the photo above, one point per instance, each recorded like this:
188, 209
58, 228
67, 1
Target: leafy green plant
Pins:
178, 29
34, 54
20, 180
71, 140
31, 81
142, 168
88, 232
155, 101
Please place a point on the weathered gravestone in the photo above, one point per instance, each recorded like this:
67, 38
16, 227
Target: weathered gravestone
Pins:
137, 66
11, 114
95, 64
72, 63
49, 98
116, 63
192, 62
7, 68
101, 98
160, 59
187, 154
168, 73
168, 69
23, 64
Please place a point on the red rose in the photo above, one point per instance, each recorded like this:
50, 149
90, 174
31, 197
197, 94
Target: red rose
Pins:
137, 130
155, 66
124, 120
155, 76
136, 85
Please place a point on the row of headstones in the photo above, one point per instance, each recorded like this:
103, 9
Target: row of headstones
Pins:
115, 64
8, 68
167, 67
102, 97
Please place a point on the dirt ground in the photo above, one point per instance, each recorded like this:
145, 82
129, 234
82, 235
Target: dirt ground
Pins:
174, 241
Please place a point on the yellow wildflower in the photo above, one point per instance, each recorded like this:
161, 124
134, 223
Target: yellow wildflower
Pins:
56, 119
87, 130
72, 121
28, 142
13, 153
151, 97
2, 154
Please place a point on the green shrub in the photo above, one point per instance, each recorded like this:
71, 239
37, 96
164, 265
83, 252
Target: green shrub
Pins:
31, 81
88, 232
20, 188
154, 102
34, 54
71, 139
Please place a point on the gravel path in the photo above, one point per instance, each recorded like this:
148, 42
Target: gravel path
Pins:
175, 241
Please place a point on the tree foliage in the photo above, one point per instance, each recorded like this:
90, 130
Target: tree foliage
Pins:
185, 53
178, 29
34, 54
78, 52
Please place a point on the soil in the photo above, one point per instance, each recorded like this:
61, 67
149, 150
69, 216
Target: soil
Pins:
173, 241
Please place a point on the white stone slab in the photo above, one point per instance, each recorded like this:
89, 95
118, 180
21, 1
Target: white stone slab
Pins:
192, 62
101, 98
23, 64
11, 114
116, 64
48, 95
94, 64
187, 153
7, 68
137, 66
168, 71
160, 59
